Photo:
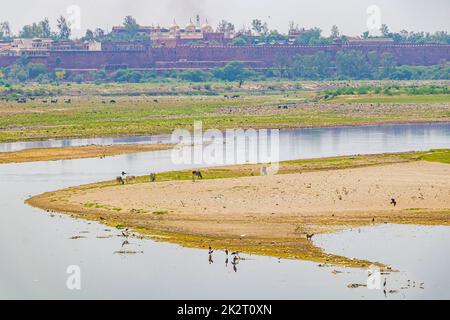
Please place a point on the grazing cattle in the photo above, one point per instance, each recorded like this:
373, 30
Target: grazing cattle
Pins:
68, 101
119, 180
309, 237
112, 101
21, 100
152, 177
130, 179
196, 174
54, 101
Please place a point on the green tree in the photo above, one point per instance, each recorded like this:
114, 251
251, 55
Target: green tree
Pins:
5, 30
36, 69
130, 24
45, 29
239, 41
335, 34
260, 27
64, 28
36, 30
225, 26
317, 66
18, 73
384, 30
373, 59
30, 31
311, 37
89, 36
352, 65
99, 33
194, 75
388, 65
232, 71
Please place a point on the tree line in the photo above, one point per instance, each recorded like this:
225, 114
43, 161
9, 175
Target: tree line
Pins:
346, 65
41, 29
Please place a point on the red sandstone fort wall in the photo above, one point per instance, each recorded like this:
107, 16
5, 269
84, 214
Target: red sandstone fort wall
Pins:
269, 55
212, 56
99, 59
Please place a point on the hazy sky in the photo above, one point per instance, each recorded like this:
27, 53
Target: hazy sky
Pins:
349, 15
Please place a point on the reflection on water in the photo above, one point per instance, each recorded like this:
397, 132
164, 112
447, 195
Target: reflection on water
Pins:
295, 143
416, 251
37, 248
59, 143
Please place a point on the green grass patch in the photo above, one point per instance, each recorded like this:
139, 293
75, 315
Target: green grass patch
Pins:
160, 213
442, 156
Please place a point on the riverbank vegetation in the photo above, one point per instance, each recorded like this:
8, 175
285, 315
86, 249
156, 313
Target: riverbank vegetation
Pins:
33, 112
347, 65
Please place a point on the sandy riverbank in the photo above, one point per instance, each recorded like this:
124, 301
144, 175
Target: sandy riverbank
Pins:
270, 215
66, 153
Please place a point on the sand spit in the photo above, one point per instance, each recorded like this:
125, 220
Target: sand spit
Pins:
66, 153
269, 215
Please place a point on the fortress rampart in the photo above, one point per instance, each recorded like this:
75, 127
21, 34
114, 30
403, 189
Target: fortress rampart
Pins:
180, 57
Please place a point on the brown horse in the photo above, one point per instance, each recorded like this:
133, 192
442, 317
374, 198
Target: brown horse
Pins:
196, 174
119, 180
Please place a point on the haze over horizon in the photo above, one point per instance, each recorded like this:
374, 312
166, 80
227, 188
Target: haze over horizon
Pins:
349, 15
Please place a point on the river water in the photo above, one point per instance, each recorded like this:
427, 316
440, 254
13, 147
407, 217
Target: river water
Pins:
36, 248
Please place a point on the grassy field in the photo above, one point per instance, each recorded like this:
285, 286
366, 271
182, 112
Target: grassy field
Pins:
379, 99
142, 109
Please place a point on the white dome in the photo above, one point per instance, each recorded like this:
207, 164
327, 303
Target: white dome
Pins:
206, 27
190, 26
174, 25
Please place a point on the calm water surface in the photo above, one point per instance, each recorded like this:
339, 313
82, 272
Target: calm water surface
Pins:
36, 247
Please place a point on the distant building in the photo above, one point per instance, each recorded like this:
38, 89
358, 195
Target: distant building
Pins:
5, 47
175, 35
294, 33
70, 45
31, 47
37, 47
